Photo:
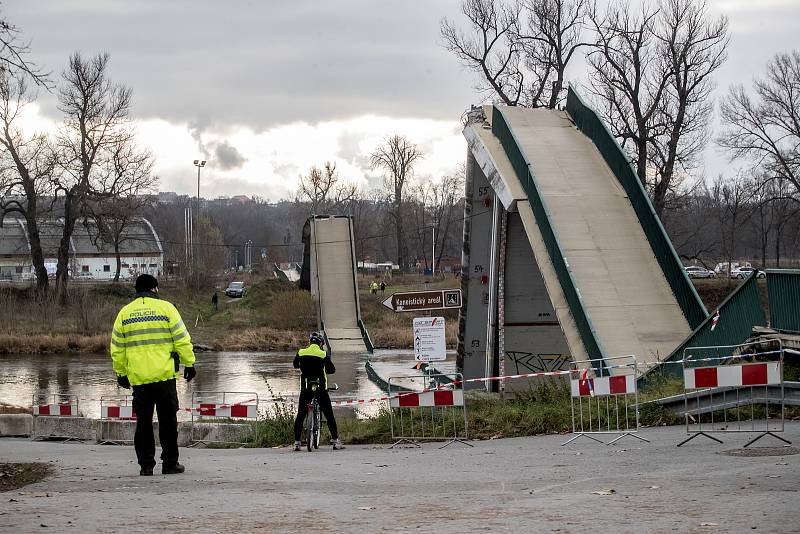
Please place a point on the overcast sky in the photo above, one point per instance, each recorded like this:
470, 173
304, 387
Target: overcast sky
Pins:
264, 89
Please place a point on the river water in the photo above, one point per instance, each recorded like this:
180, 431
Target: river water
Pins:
264, 373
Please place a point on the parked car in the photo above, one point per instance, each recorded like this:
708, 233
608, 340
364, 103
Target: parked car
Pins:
695, 271
744, 272
236, 289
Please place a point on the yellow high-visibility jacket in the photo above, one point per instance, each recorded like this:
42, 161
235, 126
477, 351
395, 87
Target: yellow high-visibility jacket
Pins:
314, 363
146, 333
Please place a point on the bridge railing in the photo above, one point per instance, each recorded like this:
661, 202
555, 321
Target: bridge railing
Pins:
588, 122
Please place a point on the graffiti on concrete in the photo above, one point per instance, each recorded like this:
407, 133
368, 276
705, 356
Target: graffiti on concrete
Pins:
530, 362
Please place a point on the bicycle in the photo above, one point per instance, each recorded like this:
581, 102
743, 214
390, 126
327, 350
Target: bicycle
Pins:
314, 417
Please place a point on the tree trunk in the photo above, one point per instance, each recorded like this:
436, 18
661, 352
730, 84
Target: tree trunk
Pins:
31, 212
398, 225
62, 268
37, 256
558, 84
119, 260
641, 162
660, 196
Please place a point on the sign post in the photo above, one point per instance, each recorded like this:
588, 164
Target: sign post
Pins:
440, 299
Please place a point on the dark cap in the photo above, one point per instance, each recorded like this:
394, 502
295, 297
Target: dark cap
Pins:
146, 282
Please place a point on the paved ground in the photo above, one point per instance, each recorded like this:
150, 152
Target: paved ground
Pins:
526, 484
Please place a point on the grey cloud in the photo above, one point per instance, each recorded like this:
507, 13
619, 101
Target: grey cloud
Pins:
350, 151
197, 127
227, 157
259, 63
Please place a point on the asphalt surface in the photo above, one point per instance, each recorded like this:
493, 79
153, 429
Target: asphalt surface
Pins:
521, 485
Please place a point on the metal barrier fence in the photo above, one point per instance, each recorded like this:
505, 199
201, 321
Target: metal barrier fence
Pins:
734, 389
55, 406
604, 405
224, 407
114, 408
422, 411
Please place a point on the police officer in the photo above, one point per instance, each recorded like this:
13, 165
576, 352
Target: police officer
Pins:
315, 364
148, 342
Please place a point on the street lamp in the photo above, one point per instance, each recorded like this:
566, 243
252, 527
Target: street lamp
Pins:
199, 164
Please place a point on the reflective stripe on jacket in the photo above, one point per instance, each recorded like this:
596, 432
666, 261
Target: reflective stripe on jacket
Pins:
314, 363
146, 333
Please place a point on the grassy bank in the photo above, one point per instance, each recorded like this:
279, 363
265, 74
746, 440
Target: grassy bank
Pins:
274, 316
545, 410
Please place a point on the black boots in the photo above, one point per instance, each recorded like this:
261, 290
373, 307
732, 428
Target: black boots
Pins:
173, 469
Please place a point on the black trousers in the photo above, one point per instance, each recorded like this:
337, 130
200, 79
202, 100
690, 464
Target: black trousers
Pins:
163, 396
325, 406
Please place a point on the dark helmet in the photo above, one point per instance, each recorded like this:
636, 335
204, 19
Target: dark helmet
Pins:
316, 337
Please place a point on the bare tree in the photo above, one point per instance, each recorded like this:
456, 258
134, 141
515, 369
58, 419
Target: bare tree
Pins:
694, 47
732, 196
552, 37
651, 72
27, 165
397, 157
446, 196
131, 182
417, 213
94, 137
14, 54
323, 190
628, 76
764, 129
366, 209
520, 49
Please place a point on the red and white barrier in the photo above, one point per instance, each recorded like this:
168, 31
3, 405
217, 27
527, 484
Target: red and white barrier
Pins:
61, 409
238, 410
617, 414
749, 374
603, 386
122, 413
438, 413
428, 398
214, 407
722, 398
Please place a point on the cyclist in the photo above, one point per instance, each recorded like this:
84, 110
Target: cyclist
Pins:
315, 364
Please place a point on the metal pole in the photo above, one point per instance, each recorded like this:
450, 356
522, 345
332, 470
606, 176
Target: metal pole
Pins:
433, 253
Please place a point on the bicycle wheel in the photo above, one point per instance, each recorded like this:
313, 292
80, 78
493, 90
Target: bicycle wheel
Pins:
317, 426
310, 427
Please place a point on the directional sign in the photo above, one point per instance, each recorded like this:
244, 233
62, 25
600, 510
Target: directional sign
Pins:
424, 300
429, 339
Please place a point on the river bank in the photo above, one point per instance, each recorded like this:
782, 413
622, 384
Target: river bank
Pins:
273, 316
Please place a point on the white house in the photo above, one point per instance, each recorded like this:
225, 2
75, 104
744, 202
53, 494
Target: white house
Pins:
90, 258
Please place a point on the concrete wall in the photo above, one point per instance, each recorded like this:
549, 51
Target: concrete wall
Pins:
532, 337
480, 200
95, 430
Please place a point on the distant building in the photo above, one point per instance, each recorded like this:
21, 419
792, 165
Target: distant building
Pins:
167, 197
90, 258
240, 199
